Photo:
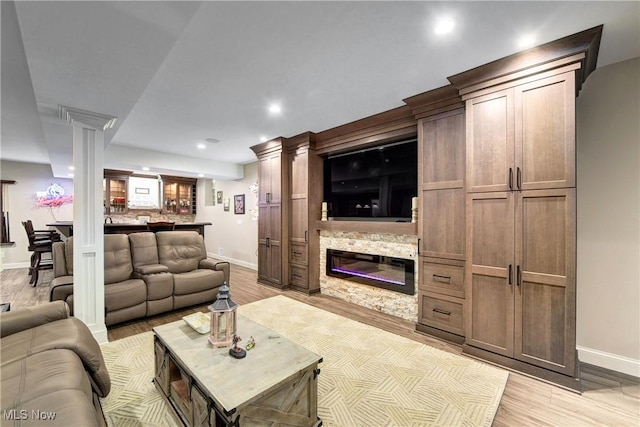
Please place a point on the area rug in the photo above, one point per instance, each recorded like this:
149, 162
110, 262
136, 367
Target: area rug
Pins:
369, 377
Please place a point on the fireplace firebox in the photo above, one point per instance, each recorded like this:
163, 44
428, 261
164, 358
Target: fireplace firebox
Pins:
394, 274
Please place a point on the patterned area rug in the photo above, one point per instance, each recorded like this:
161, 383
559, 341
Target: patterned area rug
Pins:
369, 377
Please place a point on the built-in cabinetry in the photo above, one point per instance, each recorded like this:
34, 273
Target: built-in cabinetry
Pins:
272, 236
114, 190
179, 195
497, 205
441, 212
521, 216
305, 190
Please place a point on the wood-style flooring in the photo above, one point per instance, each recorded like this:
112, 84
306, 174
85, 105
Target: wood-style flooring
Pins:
608, 399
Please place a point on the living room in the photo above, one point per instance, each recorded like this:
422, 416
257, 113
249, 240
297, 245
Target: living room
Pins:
606, 224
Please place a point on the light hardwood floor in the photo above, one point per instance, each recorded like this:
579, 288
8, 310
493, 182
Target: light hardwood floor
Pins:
608, 398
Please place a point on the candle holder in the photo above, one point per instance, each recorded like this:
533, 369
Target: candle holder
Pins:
414, 209
223, 319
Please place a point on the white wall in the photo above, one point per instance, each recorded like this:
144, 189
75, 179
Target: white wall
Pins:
30, 178
608, 175
236, 235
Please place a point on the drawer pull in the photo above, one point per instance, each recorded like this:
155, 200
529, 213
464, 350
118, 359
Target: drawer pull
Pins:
439, 311
297, 275
441, 278
297, 253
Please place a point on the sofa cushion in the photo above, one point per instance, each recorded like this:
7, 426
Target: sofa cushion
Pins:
181, 251
40, 374
124, 294
70, 334
72, 408
68, 255
144, 249
117, 258
196, 281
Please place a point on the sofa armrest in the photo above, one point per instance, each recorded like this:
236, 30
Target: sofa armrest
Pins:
212, 264
61, 289
22, 319
144, 270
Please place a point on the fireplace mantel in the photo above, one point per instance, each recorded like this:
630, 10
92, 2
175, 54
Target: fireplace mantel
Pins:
406, 228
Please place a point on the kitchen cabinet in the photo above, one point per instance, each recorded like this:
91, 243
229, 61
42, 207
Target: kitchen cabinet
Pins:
179, 195
114, 190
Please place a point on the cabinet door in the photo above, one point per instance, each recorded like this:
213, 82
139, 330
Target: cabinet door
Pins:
545, 242
442, 197
441, 149
275, 243
264, 179
270, 178
545, 133
442, 229
298, 167
489, 285
490, 150
269, 243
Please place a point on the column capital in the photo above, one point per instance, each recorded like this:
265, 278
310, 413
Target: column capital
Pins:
75, 116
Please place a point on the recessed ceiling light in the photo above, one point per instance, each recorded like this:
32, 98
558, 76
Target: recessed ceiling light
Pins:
201, 146
275, 109
145, 168
444, 25
71, 175
263, 139
201, 175
72, 168
527, 40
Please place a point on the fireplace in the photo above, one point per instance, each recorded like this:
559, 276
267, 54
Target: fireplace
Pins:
394, 274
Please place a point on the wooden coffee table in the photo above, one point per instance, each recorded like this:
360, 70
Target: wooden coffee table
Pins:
275, 383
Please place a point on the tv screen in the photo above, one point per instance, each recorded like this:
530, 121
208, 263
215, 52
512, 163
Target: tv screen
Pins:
376, 182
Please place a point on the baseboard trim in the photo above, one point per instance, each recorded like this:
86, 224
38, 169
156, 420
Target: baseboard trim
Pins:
611, 361
13, 265
233, 261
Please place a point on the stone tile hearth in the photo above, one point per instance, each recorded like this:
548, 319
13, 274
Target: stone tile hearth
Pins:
385, 301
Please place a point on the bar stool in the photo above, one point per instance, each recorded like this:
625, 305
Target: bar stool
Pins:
40, 242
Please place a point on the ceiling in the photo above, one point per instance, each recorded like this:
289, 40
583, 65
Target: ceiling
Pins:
177, 73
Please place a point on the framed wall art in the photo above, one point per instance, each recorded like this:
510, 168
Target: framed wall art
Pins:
238, 204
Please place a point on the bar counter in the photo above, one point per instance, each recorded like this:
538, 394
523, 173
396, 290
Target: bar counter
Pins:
66, 227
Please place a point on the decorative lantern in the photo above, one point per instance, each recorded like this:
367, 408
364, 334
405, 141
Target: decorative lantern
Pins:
223, 318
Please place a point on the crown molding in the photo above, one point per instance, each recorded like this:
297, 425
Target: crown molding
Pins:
95, 120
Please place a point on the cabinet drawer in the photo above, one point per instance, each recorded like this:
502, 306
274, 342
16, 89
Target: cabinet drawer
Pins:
298, 253
299, 276
443, 279
445, 314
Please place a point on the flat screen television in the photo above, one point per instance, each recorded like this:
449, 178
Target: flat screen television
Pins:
374, 183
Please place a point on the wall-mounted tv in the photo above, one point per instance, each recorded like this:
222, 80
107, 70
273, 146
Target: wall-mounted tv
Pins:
374, 183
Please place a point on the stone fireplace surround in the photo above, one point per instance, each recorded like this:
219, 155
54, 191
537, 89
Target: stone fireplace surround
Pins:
385, 301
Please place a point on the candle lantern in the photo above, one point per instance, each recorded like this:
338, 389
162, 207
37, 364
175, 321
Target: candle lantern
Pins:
223, 318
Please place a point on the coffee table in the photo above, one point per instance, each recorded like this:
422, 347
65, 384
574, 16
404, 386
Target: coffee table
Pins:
275, 383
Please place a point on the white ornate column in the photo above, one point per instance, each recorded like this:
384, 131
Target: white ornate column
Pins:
88, 228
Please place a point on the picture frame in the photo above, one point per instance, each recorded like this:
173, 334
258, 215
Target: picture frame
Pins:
139, 190
219, 197
226, 204
238, 204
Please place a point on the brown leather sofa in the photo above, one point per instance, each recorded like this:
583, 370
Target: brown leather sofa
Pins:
51, 369
146, 273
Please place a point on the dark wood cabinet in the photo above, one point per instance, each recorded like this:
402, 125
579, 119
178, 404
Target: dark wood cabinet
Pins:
521, 249
305, 192
441, 212
522, 137
115, 192
273, 240
522, 276
179, 195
